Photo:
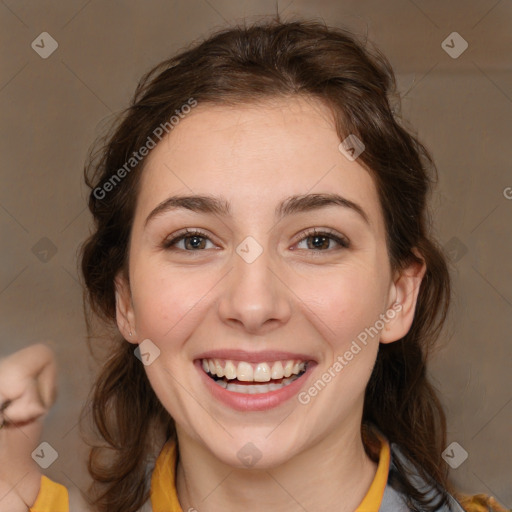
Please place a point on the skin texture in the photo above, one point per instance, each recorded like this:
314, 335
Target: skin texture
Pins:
293, 297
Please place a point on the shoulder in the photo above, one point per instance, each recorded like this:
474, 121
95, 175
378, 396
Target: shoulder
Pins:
480, 503
55, 497
396, 499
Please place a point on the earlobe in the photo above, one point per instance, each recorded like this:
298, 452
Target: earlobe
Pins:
406, 290
124, 310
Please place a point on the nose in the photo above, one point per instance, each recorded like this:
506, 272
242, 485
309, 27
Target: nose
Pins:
254, 297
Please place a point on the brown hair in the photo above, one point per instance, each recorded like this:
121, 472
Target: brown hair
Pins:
241, 65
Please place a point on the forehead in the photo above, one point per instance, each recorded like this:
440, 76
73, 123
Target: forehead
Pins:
255, 155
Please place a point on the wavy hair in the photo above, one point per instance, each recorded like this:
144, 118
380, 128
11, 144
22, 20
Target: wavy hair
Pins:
239, 65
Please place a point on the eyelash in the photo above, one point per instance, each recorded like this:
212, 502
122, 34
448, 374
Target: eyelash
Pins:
342, 241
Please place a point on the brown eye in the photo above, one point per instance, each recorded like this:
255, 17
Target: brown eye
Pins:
193, 241
321, 240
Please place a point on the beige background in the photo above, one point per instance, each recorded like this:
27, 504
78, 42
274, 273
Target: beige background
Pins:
53, 108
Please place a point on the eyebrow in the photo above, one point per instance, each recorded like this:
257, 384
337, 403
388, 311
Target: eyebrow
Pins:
220, 206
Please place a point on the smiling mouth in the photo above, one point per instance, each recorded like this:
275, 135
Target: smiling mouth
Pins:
247, 378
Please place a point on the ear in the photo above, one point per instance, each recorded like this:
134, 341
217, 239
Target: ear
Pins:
125, 316
403, 295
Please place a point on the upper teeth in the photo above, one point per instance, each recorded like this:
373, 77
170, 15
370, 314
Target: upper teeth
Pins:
259, 372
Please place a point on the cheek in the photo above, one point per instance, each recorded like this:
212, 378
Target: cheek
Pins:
342, 303
168, 304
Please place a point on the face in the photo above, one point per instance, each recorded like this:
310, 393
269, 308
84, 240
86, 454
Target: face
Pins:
267, 281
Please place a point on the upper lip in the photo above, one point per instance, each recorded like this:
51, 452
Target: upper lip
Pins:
254, 357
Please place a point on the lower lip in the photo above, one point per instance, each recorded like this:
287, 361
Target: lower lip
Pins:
258, 401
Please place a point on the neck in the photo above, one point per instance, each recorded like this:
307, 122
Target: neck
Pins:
332, 474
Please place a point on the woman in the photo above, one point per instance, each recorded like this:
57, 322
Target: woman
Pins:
262, 246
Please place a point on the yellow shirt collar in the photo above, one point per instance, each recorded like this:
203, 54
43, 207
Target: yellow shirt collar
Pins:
164, 497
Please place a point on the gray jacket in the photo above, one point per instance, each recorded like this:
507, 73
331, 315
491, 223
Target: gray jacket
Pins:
394, 501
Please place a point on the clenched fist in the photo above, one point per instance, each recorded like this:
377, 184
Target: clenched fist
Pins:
27, 391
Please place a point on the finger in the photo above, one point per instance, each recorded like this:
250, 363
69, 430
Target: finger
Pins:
27, 407
47, 385
22, 414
